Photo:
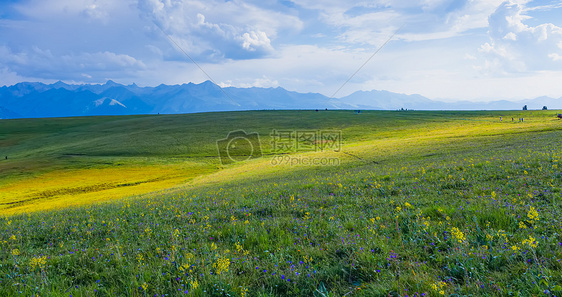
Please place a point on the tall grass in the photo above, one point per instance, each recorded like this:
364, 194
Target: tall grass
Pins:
471, 215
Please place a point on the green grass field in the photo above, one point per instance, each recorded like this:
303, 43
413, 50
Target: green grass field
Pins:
421, 204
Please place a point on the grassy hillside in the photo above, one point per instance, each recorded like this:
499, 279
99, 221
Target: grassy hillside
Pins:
432, 203
54, 163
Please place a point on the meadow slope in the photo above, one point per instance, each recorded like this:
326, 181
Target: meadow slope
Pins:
421, 204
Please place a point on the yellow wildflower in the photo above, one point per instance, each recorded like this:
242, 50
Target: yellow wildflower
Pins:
39, 262
222, 265
458, 235
531, 242
532, 215
243, 292
194, 284
438, 286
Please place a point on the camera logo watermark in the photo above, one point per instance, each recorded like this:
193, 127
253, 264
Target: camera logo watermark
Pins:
240, 146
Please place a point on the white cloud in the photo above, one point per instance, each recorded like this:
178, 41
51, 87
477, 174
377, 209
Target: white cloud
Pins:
302, 45
8, 77
95, 12
103, 61
555, 57
218, 29
49, 9
439, 23
517, 47
253, 40
510, 36
39, 61
264, 82
369, 22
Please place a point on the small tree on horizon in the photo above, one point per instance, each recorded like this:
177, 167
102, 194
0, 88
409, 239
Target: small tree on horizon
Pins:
544, 108
525, 107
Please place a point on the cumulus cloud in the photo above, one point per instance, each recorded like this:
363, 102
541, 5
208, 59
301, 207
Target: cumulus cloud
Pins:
254, 40
214, 30
303, 45
517, 47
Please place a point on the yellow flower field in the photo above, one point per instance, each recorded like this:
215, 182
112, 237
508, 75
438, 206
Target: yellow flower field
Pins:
66, 188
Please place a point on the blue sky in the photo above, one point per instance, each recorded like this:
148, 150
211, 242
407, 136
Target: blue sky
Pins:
446, 49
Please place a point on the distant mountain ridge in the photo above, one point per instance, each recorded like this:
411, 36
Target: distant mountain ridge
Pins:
391, 101
33, 99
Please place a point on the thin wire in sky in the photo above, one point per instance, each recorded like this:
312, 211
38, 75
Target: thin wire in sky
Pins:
371, 57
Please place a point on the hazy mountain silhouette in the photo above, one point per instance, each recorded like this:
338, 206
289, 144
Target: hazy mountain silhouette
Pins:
8, 114
32, 99
391, 101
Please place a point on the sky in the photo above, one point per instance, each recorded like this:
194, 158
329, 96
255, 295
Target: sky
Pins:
450, 50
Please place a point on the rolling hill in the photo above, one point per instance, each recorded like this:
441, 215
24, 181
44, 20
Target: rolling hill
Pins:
421, 203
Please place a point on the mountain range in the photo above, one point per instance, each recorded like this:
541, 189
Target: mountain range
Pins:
35, 100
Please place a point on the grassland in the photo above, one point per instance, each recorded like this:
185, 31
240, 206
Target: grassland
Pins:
422, 204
